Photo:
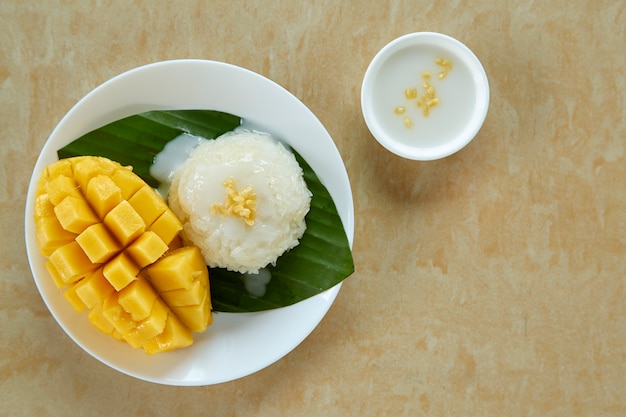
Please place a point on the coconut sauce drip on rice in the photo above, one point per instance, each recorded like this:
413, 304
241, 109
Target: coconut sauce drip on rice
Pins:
242, 199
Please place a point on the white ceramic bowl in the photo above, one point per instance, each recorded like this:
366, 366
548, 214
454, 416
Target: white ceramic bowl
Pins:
463, 95
235, 345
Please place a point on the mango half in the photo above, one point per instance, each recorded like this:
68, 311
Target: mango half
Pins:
112, 245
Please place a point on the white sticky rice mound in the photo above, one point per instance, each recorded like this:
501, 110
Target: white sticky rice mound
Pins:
282, 200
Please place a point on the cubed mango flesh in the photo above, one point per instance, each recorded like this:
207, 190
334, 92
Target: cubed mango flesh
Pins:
43, 206
184, 271
175, 335
61, 168
98, 244
85, 168
50, 234
175, 272
148, 204
147, 248
117, 335
182, 297
196, 317
137, 298
73, 299
103, 194
74, 214
97, 319
125, 223
128, 182
113, 245
120, 271
134, 338
115, 313
56, 278
93, 289
167, 226
71, 263
60, 187
154, 324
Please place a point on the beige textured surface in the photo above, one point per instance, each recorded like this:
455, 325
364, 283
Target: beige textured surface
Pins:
490, 283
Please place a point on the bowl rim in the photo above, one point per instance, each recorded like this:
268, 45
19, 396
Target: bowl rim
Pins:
479, 77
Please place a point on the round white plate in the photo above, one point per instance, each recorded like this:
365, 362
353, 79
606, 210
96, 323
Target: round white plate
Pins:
237, 344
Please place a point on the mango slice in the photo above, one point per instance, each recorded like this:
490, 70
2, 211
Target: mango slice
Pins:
178, 278
97, 243
113, 248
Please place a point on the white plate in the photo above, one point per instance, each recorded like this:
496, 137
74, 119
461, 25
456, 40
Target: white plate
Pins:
239, 344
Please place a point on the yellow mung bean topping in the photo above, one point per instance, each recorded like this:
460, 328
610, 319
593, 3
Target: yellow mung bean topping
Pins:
239, 203
410, 93
427, 99
432, 103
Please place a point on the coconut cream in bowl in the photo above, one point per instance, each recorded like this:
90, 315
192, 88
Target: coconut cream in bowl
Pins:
424, 96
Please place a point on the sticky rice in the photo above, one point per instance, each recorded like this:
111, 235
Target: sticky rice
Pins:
246, 161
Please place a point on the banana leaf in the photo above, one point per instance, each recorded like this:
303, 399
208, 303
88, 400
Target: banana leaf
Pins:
321, 260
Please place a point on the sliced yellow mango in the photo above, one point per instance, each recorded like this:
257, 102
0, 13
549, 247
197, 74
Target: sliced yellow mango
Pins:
60, 187
182, 297
115, 313
175, 272
98, 244
64, 167
71, 263
167, 226
50, 234
196, 317
148, 204
178, 277
73, 299
74, 214
56, 278
147, 248
93, 289
97, 319
175, 335
137, 299
125, 223
120, 271
154, 324
43, 206
113, 245
103, 194
128, 182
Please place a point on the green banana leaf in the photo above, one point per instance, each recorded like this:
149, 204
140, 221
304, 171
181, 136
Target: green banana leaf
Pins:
321, 260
